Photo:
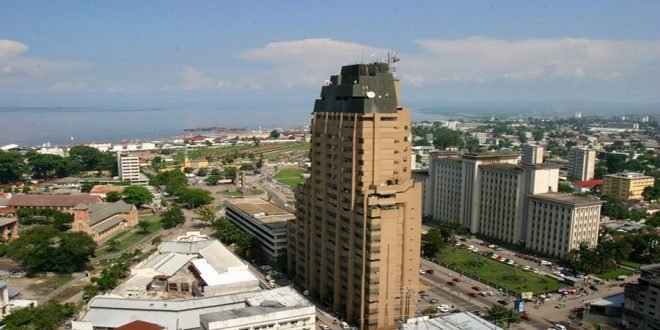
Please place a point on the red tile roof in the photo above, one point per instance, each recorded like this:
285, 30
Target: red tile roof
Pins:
140, 325
588, 183
23, 200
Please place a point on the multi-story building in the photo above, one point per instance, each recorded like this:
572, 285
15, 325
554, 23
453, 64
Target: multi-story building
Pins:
641, 306
500, 211
626, 185
355, 243
581, 163
532, 154
263, 220
128, 167
559, 223
445, 186
422, 176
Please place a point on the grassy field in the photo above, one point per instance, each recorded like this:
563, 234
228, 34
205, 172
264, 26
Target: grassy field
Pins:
236, 193
302, 146
136, 236
630, 263
612, 274
497, 273
291, 177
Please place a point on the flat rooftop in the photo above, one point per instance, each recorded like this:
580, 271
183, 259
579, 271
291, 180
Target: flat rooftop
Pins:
567, 199
501, 167
493, 154
262, 210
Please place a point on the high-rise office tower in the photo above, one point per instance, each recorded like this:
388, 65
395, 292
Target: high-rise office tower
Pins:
581, 163
128, 167
355, 243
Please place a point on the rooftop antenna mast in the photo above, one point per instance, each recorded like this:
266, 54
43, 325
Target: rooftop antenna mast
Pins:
391, 62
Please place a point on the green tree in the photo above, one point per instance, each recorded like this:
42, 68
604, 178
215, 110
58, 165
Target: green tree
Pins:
113, 245
431, 243
260, 162
172, 217
472, 144
47, 317
157, 162
11, 166
502, 316
112, 196
52, 166
195, 197
137, 195
538, 135
212, 180
247, 167
274, 134
41, 249
614, 208
206, 213
444, 137
229, 172
144, 226
248, 246
89, 158
651, 193
216, 171
565, 188
188, 170
202, 172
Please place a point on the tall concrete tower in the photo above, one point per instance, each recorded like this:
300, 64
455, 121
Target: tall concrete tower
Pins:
355, 243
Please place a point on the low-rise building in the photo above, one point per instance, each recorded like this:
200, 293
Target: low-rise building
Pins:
64, 203
453, 321
626, 185
102, 190
263, 220
559, 223
641, 306
8, 229
101, 220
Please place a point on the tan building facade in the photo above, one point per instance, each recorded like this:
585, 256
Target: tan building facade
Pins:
626, 185
532, 154
559, 223
445, 169
102, 220
355, 243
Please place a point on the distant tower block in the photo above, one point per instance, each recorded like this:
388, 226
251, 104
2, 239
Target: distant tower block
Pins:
577, 115
532, 154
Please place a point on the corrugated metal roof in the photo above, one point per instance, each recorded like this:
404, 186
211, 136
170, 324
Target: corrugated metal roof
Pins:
168, 264
220, 258
184, 247
52, 200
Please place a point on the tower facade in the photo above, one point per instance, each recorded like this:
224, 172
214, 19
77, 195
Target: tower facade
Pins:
355, 243
581, 163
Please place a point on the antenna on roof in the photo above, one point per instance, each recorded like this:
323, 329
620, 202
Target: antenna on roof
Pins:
391, 61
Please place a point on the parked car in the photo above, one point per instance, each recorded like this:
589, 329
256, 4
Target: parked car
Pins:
472, 294
421, 271
526, 317
430, 271
450, 283
476, 288
433, 301
444, 308
456, 279
324, 327
593, 287
344, 325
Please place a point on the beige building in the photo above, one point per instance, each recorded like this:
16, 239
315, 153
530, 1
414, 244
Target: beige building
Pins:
641, 309
626, 185
355, 243
128, 167
500, 209
263, 220
581, 163
445, 170
559, 223
532, 154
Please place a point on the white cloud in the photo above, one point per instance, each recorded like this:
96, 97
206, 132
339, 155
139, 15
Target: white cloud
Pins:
193, 79
11, 48
308, 61
480, 59
67, 86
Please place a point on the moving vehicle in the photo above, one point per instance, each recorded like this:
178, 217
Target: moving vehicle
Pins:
444, 308
324, 327
430, 271
472, 294
476, 288
433, 301
344, 325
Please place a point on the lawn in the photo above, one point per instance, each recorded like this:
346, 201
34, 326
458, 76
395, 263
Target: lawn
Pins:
613, 274
136, 236
496, 273
292, 148
291, 177
237, 193
631, 263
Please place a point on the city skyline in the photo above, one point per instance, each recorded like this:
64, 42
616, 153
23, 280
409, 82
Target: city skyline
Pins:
75, 54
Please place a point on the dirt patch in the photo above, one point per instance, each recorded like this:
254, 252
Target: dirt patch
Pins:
36, 287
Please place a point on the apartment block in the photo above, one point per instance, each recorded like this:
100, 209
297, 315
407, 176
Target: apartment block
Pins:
501, 190
641, 305
445, 170
129, 167
263, 220
355, 243
626, 185
559, 223
581, 163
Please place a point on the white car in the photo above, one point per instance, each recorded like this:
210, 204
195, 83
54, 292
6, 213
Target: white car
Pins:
344, 325
510, 262
558, 326
324, 327
526, 268
444, 308
421, 271
535, 271
475, 250
494, 256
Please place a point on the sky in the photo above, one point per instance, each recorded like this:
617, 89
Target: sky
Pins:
230, 53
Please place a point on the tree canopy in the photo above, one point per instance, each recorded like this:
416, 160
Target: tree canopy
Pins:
137, 195
46, 317
11, 166
45, 249
172, 217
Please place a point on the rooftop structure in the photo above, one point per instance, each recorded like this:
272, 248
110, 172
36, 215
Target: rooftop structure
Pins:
454, 321
60, 202
216, 312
